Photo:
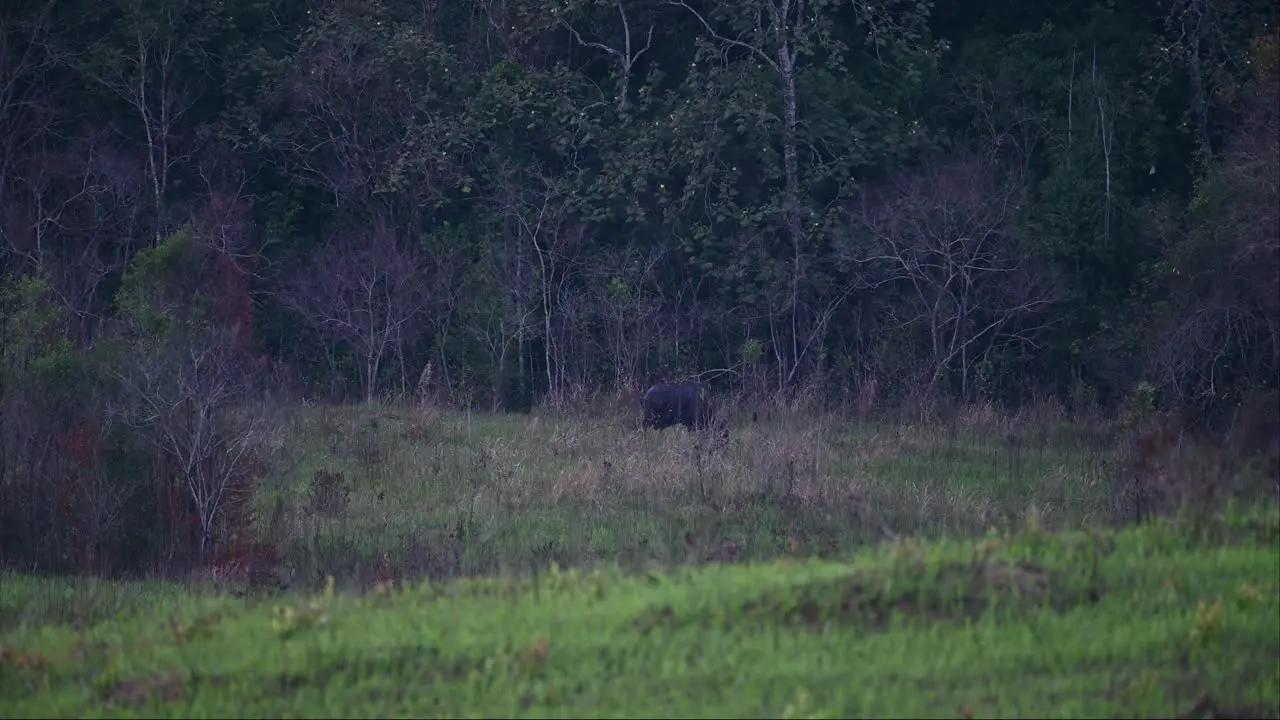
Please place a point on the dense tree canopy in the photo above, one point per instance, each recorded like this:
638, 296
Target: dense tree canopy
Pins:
546, 196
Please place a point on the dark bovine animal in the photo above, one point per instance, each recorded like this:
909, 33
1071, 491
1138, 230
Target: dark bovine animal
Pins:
680, 403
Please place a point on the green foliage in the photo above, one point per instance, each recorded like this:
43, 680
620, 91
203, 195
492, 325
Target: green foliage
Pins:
38, 360
636, 129
36, 346
159, 294
752, 352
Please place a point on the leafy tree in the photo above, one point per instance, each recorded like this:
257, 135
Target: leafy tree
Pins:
187, 383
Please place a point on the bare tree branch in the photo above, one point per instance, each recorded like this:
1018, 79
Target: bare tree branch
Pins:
367, 290
625, 57
947, 239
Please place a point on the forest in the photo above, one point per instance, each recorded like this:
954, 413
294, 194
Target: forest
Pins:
211, 210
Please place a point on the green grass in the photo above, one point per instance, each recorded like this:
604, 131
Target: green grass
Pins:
1156, 621
447, 494
26, 601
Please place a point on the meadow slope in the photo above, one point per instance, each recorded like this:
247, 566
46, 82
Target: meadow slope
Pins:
1168, 619
446, 494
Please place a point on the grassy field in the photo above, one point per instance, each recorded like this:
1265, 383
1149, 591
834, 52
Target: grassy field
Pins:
1164, 620
456, 564
450, 494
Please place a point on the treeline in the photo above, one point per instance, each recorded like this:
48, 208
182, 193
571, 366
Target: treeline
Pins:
507, 202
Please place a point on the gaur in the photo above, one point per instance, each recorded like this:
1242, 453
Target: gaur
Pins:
683, 403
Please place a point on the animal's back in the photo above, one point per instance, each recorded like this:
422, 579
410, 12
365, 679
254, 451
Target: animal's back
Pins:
681, 402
